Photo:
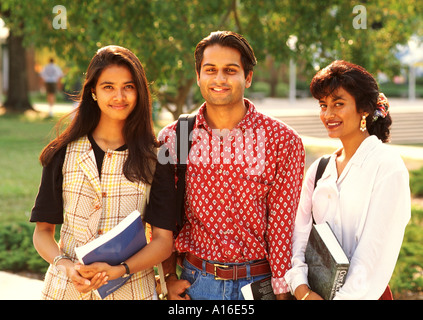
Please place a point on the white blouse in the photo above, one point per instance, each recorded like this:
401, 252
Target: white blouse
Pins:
367, 207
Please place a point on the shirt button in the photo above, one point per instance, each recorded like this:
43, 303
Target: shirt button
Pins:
96, 207
103, 194
222, 201
109, 155
100, 232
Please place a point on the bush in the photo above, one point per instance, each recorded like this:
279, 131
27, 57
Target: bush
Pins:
17, 252
391, 89
408, 274
416, 182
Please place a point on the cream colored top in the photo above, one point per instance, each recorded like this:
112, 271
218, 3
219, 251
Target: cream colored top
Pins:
367, 207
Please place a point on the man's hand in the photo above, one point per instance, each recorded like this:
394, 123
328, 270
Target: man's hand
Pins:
284, 296
176, 289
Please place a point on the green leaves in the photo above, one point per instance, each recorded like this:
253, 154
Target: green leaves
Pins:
17, 251
164, 33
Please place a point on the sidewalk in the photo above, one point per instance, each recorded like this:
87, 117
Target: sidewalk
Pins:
278, 107
15, 287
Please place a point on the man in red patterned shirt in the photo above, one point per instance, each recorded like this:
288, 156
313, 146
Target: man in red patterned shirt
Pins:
243, 182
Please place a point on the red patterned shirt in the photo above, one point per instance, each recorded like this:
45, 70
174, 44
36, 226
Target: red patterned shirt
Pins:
242, 191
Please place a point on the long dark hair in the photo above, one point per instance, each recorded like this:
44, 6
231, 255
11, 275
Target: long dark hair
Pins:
138, 130
359, 83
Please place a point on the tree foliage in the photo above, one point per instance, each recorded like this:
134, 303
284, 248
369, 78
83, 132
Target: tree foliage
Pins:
163, 33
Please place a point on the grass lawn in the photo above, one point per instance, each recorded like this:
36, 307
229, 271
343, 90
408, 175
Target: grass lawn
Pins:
21, 140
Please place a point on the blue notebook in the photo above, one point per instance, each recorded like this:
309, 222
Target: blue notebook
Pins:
114, 247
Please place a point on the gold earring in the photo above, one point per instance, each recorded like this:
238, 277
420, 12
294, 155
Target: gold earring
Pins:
363, 123
94, 96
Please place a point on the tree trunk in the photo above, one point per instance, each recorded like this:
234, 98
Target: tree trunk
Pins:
180, 101
17, 94
273, 68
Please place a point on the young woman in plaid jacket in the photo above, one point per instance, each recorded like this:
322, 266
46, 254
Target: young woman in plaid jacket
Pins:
95, 173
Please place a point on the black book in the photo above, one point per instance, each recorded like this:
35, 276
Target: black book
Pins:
327, 262
259, 290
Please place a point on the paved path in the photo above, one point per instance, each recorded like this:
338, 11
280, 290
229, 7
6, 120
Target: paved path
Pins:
14, 287
303, 116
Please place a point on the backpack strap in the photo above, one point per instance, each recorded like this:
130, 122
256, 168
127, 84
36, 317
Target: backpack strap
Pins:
184, 126
320, 169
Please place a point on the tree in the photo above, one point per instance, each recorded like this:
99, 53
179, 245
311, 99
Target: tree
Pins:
17, 99
17, 95
163, 33
363, 32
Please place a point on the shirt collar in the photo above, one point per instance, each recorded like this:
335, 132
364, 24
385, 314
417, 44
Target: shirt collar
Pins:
357, 159
245, 123
365, 149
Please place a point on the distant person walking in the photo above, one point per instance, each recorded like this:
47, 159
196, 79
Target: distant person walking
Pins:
51, 76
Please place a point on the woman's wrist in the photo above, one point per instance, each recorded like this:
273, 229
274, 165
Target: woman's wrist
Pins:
126, 271
306, 295
302, 292
63, 265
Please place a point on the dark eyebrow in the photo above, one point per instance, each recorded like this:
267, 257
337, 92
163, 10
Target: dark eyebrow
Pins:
228, 65
110, 82
334, 97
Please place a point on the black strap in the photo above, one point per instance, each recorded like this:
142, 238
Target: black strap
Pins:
184, 126
320, 169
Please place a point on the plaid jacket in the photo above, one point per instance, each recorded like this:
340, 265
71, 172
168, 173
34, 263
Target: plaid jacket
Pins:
93, 206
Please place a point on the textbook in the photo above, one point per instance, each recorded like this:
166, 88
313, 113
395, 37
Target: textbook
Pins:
259, 290
327, 263
114, 247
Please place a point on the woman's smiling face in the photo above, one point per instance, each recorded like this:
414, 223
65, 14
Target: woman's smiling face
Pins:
116, 93
338, 112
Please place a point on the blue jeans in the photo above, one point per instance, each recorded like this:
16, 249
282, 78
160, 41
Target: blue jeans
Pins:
205, 287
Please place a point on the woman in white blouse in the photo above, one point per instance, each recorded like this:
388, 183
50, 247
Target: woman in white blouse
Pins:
364, 191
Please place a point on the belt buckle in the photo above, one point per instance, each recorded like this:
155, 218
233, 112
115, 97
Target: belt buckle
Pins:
216, 265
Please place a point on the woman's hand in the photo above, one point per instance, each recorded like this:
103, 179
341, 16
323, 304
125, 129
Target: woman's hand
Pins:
84, 285
91, 270
83, 282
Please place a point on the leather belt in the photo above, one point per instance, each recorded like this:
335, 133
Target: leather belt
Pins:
223, 271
